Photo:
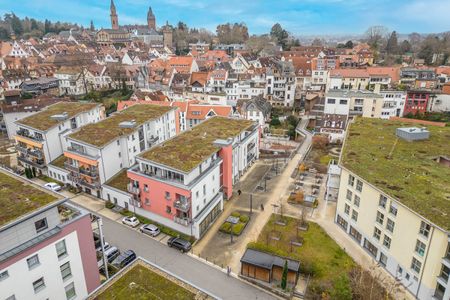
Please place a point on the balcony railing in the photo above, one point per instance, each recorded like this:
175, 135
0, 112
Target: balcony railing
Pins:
184, 206
31, 152
83, 153
39, 163
83, 182
133, 189
182, 221
77, 170
29, 136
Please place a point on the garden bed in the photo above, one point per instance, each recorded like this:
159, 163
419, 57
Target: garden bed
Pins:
235, 223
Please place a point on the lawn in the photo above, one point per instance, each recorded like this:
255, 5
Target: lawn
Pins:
319, 255
141, 282
237, 228
49, 179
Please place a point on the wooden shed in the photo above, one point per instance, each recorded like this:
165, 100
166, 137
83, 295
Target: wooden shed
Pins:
267, 267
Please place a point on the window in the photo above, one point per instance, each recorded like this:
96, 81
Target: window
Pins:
390, 225
420, 248
380, 218
120, 154
61, 249
359, 185
393, 209
382, 202
4, 275
349, 195
342, 222
407, 276
416, 265
167, 195
70, 291
424, 229
383, 259
370, 247
357, 200
147, 201
377, 233
196, 194
351, 180
387, 241
204, 190
39, 284
33, 262
168, 209
445, 273
347, 209
355, 215
66, 272
331, 101
145, 188
355, 234
343, 101
41, 225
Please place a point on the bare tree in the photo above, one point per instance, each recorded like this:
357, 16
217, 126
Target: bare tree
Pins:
375, 36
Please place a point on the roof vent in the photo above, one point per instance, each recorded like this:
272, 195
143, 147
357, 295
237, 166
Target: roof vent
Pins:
413, 133
60, 117
128, 124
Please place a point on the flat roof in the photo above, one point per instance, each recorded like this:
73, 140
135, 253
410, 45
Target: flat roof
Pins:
119, 181
351, 93
141, 280
404, 170
42, 120
19, 197
101, 133
59, 161
190, 148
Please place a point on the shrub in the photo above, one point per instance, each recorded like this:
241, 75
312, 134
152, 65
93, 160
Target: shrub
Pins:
225, 227
235, 214
284, 276
237, 228
244, 218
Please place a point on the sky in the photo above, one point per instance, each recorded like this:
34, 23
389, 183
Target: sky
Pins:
299, 17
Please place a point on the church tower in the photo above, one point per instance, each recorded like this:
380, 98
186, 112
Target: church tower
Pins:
114, 17
168, 35
151, 20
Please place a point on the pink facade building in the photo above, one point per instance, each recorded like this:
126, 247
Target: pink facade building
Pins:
46, 245
182, 182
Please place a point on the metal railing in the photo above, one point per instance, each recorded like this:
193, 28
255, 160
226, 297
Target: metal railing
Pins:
40, 163
182, 221
29, 136
182, 205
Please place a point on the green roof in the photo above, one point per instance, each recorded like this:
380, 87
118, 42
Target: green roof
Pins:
407, 171
101, 133
119, 181
143, 281
59, 162
18, 198
43, 121
188, 149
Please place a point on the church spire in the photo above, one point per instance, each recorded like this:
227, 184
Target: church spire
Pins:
151, 20
114, 17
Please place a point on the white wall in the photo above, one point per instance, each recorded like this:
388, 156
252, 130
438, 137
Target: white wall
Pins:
20, 280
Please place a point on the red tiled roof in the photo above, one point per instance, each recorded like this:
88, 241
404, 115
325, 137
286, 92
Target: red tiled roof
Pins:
349, 73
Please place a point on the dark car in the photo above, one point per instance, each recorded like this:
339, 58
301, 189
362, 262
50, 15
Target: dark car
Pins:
124, 259
180, 244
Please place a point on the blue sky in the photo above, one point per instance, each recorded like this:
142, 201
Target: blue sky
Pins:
300, 17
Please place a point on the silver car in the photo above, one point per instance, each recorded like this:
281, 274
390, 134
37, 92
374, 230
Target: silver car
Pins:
150, 229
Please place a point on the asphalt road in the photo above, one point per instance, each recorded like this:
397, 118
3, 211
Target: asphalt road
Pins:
188, 268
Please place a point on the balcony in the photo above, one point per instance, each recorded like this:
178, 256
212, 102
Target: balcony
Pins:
76, 171
26, 134
32, 152
133, 189
83, 182
82, 152
38, 163
183, 206
182, 221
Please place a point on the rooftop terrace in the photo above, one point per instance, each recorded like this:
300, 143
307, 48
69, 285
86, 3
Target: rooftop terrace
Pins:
188, 149
43, 121
143, 281
101, 133
404, 170
18, 198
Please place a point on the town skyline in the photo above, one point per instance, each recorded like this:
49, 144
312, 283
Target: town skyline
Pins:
309, 18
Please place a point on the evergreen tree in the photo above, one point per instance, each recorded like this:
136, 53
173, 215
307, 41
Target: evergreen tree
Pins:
47, 26
284, 276
34, 25
349, 45
405, 47
392, 43
279, 34
16, 25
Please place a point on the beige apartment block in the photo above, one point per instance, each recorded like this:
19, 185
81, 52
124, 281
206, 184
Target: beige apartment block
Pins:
394, 202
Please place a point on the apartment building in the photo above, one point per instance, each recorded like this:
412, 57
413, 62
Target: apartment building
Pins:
417, 101
182, 182
393, 201
40, 136
348, 79
280, 83
353, 103
97, 152
394, 103
46, 245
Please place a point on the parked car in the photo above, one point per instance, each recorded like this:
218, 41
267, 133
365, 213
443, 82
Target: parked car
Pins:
180, 244
111, 254
130, 221
105, 245
150, 229
53, 186
124, 259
